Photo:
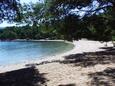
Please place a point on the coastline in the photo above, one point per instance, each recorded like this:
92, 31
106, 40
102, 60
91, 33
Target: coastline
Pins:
79, 47
59, 73
19, 65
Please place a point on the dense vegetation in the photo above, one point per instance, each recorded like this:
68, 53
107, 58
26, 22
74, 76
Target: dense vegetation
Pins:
27, 32
65, 19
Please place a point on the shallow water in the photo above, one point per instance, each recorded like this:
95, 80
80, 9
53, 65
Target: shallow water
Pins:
15, 52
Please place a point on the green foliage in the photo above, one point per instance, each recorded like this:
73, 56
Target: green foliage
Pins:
32, 13
66, 19
97, 21
27, 32
8, 35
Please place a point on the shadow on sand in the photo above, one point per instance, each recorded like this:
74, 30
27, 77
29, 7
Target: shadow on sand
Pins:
22, 77
67, 85
88, 59
104, 78
91, 58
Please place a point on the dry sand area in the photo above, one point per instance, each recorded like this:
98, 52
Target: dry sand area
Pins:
90, 63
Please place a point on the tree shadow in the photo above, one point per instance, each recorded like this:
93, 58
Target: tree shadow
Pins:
67, 85
22, 77
91, 58
104, 78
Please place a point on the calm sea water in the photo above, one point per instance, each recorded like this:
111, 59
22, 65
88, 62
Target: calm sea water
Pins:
15, 52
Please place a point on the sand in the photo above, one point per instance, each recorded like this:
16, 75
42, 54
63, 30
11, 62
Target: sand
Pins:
58, 74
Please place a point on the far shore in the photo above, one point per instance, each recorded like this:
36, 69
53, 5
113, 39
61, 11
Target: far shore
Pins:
58, 72
34, 40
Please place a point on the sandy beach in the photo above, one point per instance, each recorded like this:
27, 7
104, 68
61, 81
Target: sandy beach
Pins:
82, 66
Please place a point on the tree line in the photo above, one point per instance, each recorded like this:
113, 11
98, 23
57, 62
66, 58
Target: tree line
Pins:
27, 32
65, 19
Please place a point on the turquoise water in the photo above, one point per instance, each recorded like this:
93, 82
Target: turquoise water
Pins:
15, 52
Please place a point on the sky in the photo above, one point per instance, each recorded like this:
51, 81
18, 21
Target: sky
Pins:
27, 1
33, 1
4, 24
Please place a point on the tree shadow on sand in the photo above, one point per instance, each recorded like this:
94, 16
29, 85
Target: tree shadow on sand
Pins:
104, 78
91, 58
22, 77
87, 59
67, 85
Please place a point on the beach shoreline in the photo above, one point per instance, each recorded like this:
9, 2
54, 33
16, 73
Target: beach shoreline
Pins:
79, 47
21, 64
59, 73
